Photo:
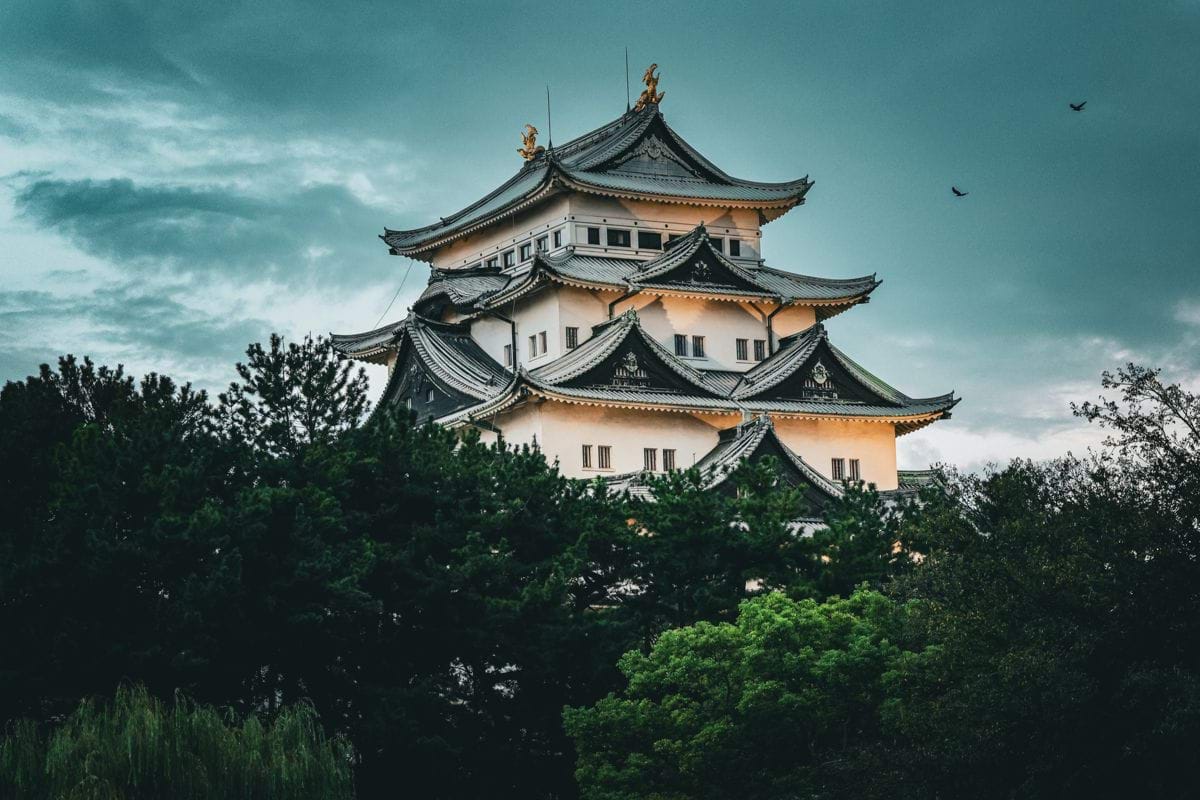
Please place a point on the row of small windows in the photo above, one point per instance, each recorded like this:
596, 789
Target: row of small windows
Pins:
538, 344
651, 240
603, 459
681, 346
525, 251
743, 349
838, 469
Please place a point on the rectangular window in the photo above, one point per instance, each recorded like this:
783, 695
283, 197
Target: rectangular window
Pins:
838, 470
649, 241
572, 338
542, 243
618, 237
557, 239
650, 459
429, 395
526, 251
668, 459
697, 347
510, 258
587, 456
508, 355
718, 243
533, 351
735, 247
493, 262
680, 345
743, 349
855, 474
593, 236
671, 237
760, 349
604, 456
542, 342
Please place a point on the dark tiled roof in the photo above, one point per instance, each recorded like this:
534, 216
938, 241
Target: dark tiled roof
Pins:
626, 274
448, 351
636, 155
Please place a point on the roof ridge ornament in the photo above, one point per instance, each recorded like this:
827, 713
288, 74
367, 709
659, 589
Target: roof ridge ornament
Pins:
530, 149
650, 95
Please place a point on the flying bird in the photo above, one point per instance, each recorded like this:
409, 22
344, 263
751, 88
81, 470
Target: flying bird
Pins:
958, 192
1077, 106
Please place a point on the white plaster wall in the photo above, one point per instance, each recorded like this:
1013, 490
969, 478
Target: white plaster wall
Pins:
566, 428
492, 335
720, 323
793, 319
583, 309
506, 234
818, 441
522, 425
534, 314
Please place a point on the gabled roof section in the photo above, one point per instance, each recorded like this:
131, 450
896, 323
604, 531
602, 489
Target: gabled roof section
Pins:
692, 266
753, 440
809, 375
447, 351
692, 263
622, 359
636, 156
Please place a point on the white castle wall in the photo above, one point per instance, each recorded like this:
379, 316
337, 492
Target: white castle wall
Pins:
818, 441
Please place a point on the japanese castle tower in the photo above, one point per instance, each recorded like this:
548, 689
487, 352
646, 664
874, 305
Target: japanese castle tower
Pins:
610, 303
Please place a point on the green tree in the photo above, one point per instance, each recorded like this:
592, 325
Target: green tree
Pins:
751, 709
137, 747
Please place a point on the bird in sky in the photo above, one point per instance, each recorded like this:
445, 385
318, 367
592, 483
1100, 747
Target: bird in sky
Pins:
1077, 106
958, 192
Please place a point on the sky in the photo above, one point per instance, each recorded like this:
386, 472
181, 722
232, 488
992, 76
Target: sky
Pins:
178, 180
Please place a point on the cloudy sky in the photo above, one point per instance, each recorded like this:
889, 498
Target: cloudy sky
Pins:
179, 179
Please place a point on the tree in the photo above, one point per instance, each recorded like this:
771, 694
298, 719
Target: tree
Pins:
751, 708
136, 747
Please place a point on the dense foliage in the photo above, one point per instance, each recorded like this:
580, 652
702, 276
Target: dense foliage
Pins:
1040, 641
139, 748
439, 601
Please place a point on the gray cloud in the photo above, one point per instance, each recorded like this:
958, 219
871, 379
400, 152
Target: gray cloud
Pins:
315, 232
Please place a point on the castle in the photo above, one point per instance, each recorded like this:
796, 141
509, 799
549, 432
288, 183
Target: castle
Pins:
610, 303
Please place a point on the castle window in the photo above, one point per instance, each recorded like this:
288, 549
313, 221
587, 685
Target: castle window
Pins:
557, 239
593, 236
526, 251
618, 238
650, 459
735, 247
572, 338
493, 262
697, 347
855, 473
542, 342
718, 243
760, 349
649, 241
533, 350
681, 345
542, 243
604, 456
743, 349
510, 258
587, 456
671, 237
668, 459
429, 395
838, 469
508, 355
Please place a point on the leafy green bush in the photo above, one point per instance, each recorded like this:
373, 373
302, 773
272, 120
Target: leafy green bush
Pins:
137, 747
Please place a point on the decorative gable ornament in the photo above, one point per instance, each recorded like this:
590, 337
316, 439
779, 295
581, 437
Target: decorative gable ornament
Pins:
701, 273
820, 375
629, 372
654, 149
